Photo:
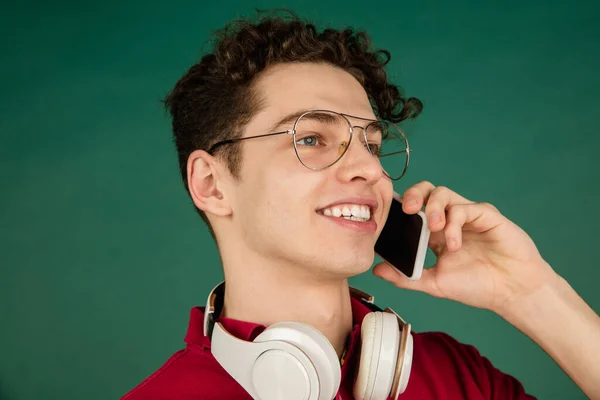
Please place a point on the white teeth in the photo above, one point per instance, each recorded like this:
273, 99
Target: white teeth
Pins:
353, 212
364, 212
354, 219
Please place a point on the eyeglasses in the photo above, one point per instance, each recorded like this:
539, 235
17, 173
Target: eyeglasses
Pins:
322, 137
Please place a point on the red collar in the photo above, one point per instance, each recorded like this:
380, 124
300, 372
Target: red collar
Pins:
248, 330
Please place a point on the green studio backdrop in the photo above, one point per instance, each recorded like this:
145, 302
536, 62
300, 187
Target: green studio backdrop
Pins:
102, 255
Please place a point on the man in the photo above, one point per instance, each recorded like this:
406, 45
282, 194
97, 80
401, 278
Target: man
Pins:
267, 179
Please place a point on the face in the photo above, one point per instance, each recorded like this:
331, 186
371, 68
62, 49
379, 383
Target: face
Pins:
285, 211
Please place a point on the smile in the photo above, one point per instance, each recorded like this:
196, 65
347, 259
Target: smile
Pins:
351, 212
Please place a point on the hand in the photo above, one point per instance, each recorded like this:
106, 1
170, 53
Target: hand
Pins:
483, 259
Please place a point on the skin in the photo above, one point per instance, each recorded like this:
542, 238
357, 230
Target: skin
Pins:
284, 261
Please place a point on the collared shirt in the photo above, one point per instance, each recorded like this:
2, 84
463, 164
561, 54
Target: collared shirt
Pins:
442, 368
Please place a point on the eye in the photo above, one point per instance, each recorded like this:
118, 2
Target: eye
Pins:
309, 141
374, 148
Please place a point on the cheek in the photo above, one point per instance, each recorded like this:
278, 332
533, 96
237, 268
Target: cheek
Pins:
276, 192
387, 194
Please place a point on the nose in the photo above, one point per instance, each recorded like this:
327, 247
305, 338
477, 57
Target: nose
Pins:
358, 163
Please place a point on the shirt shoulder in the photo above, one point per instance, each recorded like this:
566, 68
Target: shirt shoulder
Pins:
444, 368
191, 373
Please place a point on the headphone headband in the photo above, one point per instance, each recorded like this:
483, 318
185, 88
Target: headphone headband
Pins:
214, 305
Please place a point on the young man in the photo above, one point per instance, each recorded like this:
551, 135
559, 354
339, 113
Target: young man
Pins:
279, 149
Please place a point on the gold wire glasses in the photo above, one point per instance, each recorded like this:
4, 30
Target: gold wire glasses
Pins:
322, 137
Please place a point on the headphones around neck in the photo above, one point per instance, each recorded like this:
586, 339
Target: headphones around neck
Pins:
294, 361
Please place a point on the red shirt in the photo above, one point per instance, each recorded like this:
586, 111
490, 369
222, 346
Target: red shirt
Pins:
442, 368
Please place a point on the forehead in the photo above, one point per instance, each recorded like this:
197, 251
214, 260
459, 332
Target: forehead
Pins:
286, 88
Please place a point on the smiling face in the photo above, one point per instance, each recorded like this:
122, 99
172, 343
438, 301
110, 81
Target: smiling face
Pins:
293, 215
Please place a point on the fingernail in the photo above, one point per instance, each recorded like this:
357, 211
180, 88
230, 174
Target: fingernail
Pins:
434, 218
411, 201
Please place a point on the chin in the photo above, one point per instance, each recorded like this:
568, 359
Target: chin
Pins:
351, 267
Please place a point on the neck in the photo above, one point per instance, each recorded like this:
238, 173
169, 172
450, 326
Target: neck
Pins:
266, 292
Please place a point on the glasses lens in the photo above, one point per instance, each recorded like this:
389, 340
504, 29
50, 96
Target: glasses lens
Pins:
321, 138
388, 143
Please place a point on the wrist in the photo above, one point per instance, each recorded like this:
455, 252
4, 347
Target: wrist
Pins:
564, 326
536, 304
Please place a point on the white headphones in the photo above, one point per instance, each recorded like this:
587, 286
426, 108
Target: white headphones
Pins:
294, 361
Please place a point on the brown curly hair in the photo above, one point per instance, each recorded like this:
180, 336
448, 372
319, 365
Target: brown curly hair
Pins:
215, 98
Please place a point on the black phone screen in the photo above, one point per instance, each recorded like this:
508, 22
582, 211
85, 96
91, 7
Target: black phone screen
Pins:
399, 240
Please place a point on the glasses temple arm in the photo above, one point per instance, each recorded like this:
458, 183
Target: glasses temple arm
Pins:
228, 141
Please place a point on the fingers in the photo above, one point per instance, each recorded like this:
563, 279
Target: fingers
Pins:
457, 217
425, 284
415, 196
476, 217
435, 210
436, 198
437, 243
449, 212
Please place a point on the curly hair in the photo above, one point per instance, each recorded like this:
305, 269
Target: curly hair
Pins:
215, 98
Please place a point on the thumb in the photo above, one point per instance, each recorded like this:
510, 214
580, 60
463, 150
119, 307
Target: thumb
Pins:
425, 284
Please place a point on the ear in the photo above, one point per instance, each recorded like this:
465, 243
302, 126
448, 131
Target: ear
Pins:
205, 182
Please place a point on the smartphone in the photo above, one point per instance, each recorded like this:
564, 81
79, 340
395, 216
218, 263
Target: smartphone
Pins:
404, 239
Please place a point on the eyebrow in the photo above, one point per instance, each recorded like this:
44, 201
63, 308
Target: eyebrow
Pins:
293, 116
286, 120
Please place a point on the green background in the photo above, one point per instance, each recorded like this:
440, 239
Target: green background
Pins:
102, 255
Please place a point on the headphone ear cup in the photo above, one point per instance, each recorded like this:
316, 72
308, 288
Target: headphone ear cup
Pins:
318, 350
406, 365
380, 337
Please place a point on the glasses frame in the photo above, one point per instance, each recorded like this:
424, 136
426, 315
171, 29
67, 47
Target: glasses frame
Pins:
351, 132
